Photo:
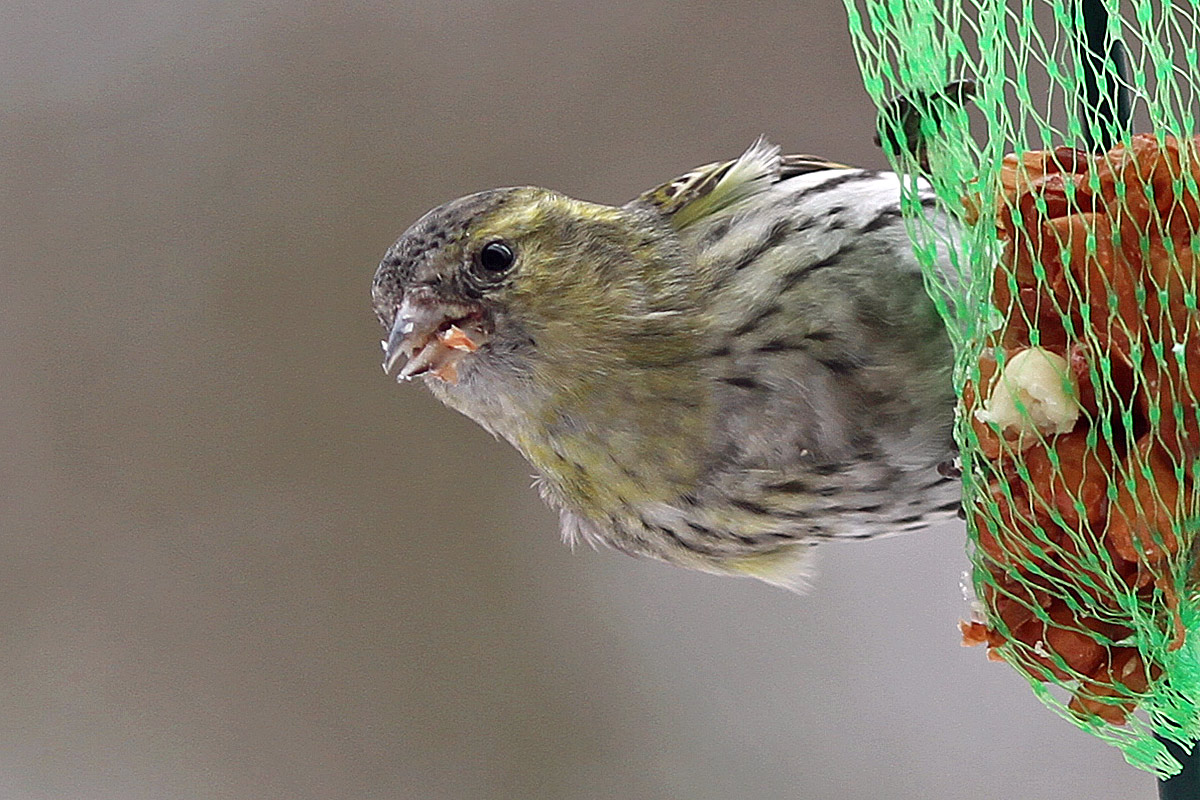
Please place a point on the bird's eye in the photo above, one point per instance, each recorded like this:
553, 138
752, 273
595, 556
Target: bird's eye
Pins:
495, 258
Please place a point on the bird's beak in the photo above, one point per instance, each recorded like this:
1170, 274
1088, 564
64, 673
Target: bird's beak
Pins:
432, 337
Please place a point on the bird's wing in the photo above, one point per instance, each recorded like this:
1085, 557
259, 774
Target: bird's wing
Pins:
798, 164
710, 188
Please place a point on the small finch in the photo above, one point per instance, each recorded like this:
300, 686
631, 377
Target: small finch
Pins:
719, 374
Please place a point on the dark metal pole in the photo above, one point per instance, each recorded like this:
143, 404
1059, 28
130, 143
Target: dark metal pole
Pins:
1185, 785
1106, 88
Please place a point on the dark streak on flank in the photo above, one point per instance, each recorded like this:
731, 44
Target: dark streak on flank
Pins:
838, 366
881, 220
836, 220
776, 234
716, 233
751, 506
687, 402
794, 277
834, 536
756, 320
703, 531
933, 484
807, 224
626, 471
884, 484
781, 346
742, 382
892, 214
833, 183
679, 540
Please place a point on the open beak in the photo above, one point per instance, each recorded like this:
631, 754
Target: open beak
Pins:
432, 337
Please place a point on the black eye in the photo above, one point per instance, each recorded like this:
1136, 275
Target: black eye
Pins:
495, 258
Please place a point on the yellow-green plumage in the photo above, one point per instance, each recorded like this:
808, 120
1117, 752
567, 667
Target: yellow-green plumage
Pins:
718, 374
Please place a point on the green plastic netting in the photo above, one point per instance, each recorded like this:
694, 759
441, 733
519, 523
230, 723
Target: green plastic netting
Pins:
1059, 134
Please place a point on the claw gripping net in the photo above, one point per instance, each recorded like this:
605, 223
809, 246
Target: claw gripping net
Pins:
1071, 298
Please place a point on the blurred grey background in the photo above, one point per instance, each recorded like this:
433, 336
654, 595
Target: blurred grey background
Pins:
238, 562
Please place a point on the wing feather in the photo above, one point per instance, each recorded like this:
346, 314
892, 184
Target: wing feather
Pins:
712, 187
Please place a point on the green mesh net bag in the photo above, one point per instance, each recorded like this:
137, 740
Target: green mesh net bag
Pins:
1059, 133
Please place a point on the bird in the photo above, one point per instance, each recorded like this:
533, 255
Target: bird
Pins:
908, 123
720, 374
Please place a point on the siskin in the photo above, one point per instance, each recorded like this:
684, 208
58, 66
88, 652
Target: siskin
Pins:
719, 374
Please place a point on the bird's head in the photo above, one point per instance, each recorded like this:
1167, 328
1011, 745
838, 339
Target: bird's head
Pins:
442, 288
511, 281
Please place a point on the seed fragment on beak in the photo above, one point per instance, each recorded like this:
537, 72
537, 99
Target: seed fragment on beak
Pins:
430, 340
415, 324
